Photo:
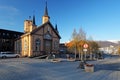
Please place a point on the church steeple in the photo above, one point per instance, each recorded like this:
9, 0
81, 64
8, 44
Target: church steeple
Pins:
34, 20
46, 10
45, 16
56, 28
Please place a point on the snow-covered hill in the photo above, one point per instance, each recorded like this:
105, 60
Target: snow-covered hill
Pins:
114, 41
108, 43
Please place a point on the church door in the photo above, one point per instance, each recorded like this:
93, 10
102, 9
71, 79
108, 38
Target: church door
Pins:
47, 43
48, 46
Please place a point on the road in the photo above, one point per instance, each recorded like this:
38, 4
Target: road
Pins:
36, 69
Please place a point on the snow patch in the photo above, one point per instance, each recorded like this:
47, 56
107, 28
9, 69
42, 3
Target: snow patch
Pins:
114, 41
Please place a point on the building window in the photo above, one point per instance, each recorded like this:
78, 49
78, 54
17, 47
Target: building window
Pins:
25, 45
7, 34
18, 46
37, 45
48, 29
3, 34
18, 35
14, 35
47, 36
56, 45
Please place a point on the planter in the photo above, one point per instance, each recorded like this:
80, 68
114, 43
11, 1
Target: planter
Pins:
56, 60
71, 59
89, 67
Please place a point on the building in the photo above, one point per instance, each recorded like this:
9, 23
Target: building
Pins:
38, 40
7, 39
63, 48
110, 49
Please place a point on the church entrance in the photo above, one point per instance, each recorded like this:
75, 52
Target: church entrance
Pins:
48, 46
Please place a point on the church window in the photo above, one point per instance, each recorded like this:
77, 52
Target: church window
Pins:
47, 36
56, 45
25, 45
37, 45
48, 29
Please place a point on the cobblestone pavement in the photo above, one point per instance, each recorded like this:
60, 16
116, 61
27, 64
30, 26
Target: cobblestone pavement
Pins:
36, 69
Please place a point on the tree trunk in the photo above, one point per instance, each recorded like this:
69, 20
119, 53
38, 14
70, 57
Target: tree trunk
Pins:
91, 55
75, 53
79, 54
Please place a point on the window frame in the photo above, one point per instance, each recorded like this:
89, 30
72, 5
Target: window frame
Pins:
37, 44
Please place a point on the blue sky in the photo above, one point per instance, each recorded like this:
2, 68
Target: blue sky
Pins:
98, 18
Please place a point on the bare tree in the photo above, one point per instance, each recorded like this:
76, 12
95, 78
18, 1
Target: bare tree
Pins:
94, 47
74, 40
82, 40
82, 34
77, 41
118, 51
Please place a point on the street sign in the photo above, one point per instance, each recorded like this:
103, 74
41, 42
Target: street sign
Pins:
84, 50
85, 45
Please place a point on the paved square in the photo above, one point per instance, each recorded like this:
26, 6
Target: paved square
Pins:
36, 69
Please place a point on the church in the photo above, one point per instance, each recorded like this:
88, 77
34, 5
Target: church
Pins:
38, 40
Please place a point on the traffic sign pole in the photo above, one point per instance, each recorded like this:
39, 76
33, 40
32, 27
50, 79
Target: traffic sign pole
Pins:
85, 46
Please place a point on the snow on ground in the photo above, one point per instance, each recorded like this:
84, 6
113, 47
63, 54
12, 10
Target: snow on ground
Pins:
36, 69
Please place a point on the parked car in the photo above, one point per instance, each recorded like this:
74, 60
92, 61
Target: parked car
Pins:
9, 55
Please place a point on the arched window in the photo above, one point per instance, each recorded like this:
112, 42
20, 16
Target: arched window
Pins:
37, 45
47, 36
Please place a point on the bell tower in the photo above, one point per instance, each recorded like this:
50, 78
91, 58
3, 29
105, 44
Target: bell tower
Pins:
45, 17
29, 25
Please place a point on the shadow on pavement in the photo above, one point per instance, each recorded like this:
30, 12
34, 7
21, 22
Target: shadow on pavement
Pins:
108, 66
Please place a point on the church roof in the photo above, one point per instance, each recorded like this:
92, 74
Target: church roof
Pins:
39, 27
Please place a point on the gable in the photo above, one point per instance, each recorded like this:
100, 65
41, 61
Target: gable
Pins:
45, 28
48, 36
39, 31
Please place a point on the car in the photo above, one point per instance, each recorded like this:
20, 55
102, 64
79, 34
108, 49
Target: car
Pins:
9, 55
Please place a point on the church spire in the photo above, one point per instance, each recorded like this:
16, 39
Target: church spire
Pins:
56, 28
34, 20
45, 16
46, 10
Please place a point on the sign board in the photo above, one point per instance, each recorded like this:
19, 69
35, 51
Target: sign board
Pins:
85, 50
85, 45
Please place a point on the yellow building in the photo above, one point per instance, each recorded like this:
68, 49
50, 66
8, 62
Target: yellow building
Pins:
38, 40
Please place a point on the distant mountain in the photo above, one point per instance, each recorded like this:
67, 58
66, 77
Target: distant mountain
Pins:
114, 41
108, 43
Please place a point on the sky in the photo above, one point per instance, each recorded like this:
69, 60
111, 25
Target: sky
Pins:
100, 19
